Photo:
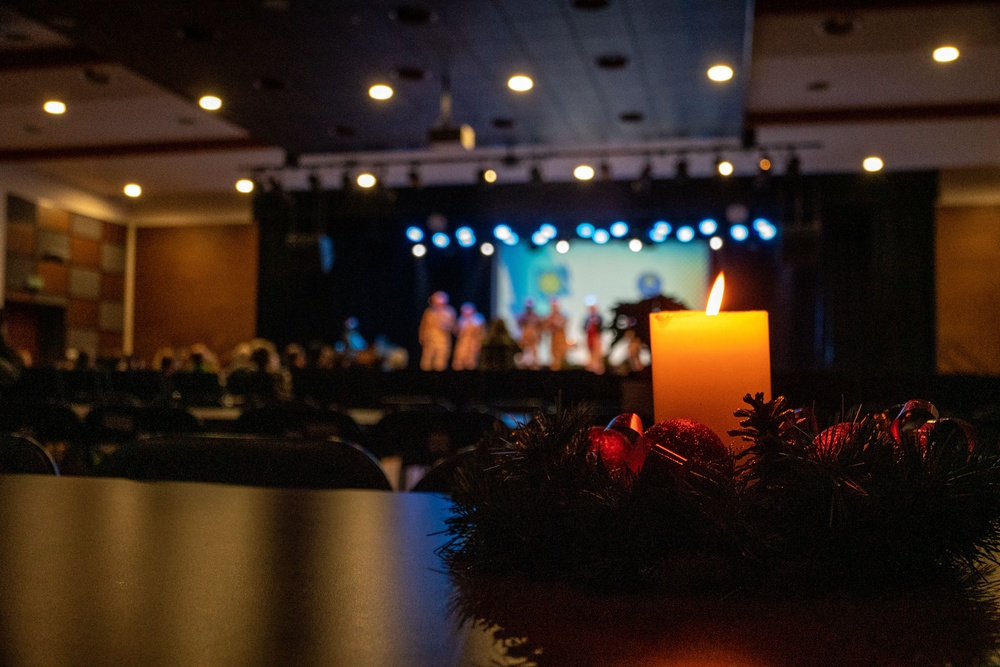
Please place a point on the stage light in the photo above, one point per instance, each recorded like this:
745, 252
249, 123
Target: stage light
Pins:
419, 250
210, 103
585, 230
685, 234
548, 230
380, 91
415, 234
619, 229
539, 238
513, 239
366, 180
601, 236
487, 249
520, 83
708, 226
488, 176
715, 243
132, 190
739, 232
724, 167
872, 163
562, 246
765, 229
244, 185
764, 163
635, 245
583, 172
440, 239
660, 231
466, 237
502, 232
54, 107
945, 54
720, 73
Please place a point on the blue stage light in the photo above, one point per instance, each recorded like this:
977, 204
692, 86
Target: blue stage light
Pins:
708, 226
601, 236
539, 238
619, 229
739, 232
502, 232
685, 234
466, 238
512, 239
548, 231
415, 234
440, 239
767, 232
663, 227
585, 230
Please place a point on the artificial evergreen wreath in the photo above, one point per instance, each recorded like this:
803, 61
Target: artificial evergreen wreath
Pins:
894, 499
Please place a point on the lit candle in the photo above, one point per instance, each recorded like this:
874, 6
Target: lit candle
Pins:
705, 362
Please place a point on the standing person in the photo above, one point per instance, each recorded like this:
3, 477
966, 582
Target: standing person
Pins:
531, 333
469, 332
499, 348
555, 324
435, 333
593, 326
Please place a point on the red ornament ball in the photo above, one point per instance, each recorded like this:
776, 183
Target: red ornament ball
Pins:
832, 439
683, 440
609, 447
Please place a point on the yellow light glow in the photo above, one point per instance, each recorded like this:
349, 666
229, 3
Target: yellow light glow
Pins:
54, 107
210, 103
380, 91
725, 168
132, 190
520, 83
244, 185
366, 180
873, 163
715, 297
946, 54
765, 164
490, 176
720, 73
584, 172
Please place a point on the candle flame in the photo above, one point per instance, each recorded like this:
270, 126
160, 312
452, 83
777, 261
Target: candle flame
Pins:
715, 297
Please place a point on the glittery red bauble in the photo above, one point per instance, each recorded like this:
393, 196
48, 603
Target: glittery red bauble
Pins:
948, 432
832, 439
609, 447
683, 440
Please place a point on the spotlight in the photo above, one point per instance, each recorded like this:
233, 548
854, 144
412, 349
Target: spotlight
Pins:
132, 190
440, 239
502, 232
513, 239
548, 230
413, 177
715, 243
520, 83
739, 232
708, 226
487, 176
585, 230
210, 103
720, 73
366, 180
601, 236
872, 163
54, 107
723, 167
244, 185
583, 172
487, 249
539, 238
380, 91
619, 229
945, 54
419, 250
765, 229
660, 231
466, 237
415, 234
685, 234
635, 245
562, 246
764, 163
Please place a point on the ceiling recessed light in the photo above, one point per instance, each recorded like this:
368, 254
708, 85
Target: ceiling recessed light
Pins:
210, 103
489, 176
520, 83
366, 180
54, 107
631, 117
725, 168
244, 185
380, 91
945, 54
720, 72
612, 61
583, 172
132, 190
872, 163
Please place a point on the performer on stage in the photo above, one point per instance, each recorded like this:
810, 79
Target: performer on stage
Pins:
469, 332
531, 333
593, 325
435, 333
555, 324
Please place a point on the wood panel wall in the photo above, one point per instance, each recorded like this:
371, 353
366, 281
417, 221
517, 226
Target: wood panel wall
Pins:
195, 284
968, 289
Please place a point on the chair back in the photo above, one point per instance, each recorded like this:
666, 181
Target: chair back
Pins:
20, 455
441, 477
425, 437
248, 461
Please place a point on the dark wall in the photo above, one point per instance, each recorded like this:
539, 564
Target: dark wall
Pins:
849, 283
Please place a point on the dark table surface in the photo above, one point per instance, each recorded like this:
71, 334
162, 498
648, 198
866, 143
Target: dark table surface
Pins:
115, 572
